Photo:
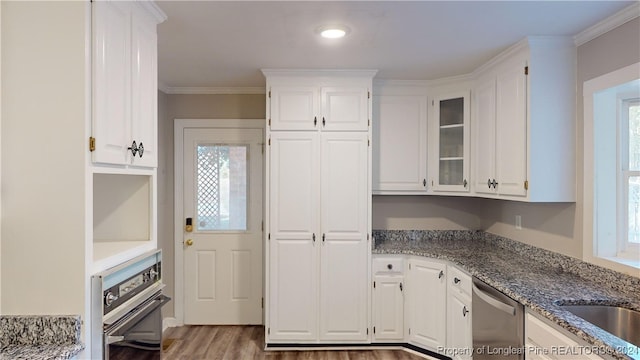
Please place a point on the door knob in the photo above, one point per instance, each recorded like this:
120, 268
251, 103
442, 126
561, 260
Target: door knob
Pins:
188, 242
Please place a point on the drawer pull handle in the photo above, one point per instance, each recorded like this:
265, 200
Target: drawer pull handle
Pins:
390, 266
456, 280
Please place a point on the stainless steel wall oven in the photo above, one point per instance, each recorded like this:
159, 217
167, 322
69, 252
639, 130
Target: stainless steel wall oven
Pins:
125, 310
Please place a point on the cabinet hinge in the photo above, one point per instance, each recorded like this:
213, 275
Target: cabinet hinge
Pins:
262, 303
368, 95
269, 236
269, 93
526, 184
269, 141
374, 329
433, 103
368, 142
526, 70
367, 237
262, 225
374, 284
268, 330
269, 121
409, 331
368, 122
409, 266
92, 143
367, 331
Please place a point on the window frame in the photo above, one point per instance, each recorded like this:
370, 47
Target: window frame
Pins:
598, 91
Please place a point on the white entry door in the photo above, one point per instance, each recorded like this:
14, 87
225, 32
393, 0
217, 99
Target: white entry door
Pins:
223, 204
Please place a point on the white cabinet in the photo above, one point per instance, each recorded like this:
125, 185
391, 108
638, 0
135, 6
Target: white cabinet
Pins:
293, 178
449, 142
524, 123
303, 103
388, 299
546, 343
124, 43
400, 144
427, 297
459, 309
318, 212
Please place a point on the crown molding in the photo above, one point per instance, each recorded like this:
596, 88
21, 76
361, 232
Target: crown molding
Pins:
621, 17
173, 90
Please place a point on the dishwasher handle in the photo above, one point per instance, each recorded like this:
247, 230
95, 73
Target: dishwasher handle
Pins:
494, 302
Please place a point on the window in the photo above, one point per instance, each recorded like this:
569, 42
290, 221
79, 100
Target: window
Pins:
612, 170
629, 183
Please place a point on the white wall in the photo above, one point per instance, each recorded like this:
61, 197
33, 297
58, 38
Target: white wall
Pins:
43, 157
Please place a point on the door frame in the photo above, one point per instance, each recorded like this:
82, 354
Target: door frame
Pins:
179, 126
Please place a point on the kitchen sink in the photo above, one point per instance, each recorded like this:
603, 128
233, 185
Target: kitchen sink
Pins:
621, 322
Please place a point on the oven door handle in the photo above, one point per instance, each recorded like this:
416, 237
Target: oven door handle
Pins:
157, 302
110, 339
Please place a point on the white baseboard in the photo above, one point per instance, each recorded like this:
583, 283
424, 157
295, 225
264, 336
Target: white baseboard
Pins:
169, 322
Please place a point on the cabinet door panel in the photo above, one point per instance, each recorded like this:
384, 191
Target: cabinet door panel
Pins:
144, 87
293, 288
427, 303
450, 136
293, 266
345, 108
111, 81
400, 143
485, 125
511, 130
344, 269
294, 108
388, 309
459, 324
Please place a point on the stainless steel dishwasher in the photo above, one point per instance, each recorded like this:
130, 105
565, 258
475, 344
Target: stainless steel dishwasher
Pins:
498, 324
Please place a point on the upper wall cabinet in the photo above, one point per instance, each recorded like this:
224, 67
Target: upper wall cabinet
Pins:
524, 123
124, 122
400, 144
449, 141
323, 103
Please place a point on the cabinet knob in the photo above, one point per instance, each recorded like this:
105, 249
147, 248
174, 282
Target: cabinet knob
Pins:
441, 274
456, 280
494, 183
323, 122
140, 149
464, 311
464, 183
400, 286
390, 266
489, 183
315, 120
134, 148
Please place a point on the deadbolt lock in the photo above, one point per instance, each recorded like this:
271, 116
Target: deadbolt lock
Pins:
188, 227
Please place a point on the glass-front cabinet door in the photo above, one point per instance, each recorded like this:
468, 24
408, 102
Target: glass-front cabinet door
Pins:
450, 139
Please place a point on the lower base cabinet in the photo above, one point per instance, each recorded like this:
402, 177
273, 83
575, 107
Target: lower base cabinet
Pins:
543, 342
459, 330
427, 303
388, 300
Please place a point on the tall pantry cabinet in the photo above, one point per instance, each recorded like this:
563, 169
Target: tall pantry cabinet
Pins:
318, 179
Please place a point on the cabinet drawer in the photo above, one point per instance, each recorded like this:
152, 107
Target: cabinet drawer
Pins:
460, 280
388, 265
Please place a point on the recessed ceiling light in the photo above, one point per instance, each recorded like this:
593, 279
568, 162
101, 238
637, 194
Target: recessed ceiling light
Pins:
333, 32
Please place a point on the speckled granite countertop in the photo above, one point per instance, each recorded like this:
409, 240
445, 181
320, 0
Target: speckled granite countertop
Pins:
539, 279
40, 337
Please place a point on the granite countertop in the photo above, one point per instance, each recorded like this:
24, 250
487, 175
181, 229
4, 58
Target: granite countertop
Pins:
40, 337
539, 279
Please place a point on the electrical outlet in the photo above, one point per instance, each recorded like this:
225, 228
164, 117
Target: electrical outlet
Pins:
518, 222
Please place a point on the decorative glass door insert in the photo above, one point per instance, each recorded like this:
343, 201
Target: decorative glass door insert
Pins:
221, 187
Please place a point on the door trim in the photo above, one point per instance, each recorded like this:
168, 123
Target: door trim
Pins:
179, 126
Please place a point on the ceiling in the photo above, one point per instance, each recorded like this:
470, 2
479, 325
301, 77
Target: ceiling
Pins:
224, 44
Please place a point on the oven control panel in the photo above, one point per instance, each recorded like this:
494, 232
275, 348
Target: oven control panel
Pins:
131, 286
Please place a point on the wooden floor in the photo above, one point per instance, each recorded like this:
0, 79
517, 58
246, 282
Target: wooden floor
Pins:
247, 342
